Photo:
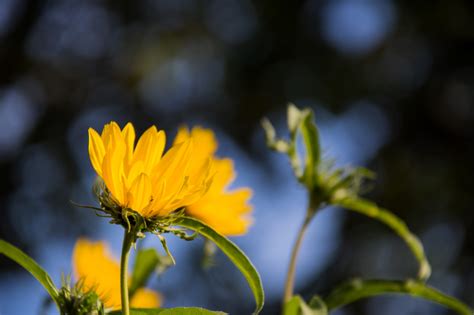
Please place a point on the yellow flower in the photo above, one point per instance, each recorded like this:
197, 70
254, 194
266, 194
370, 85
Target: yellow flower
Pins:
225, 211
142, 178
93, 264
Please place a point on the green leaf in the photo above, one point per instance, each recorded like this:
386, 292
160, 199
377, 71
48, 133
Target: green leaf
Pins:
310, 134
272, 141
234, 253
358, 289
294, 117
170, 311
292, 307
370, 209
317, 304
270, 133
299, 122
145, 263
297, 306
31, 266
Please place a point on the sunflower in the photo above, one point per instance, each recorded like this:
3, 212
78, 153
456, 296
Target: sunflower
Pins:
144, 178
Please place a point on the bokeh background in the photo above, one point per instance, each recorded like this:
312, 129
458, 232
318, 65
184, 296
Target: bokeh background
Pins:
392, 85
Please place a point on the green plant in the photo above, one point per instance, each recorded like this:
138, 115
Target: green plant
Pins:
327, 185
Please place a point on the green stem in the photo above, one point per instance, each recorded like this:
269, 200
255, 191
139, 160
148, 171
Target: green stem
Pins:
290, 276
127, 244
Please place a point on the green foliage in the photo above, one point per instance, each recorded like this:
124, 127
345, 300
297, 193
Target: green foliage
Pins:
76, 300
297, 306
31, 266
146, 261
311, 141
170, 311
240, 260
299, 122
358, 289
328, 185
371, 210
319, 176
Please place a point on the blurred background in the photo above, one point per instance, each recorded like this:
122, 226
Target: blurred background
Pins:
392, 85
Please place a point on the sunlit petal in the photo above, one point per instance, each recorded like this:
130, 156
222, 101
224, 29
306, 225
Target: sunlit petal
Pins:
140, 192
96, 151
128, 134
112, 170
150, 148
146, 298
224, 210
144, 179
99, 271
93, 264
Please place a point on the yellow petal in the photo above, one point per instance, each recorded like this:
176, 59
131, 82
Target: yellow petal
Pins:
186, 177
140, 192
128, 134
96, 151
112, 171
228, 217
150, 147
173, 168
116, 136
98, 270
239, 199
137, 168
175, 160
159, 199
204, 139
182, 135
225, 211
146, 298
106, 134
224, 173
110, 133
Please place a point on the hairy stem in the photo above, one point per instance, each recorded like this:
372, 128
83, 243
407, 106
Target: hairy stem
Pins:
127, 244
